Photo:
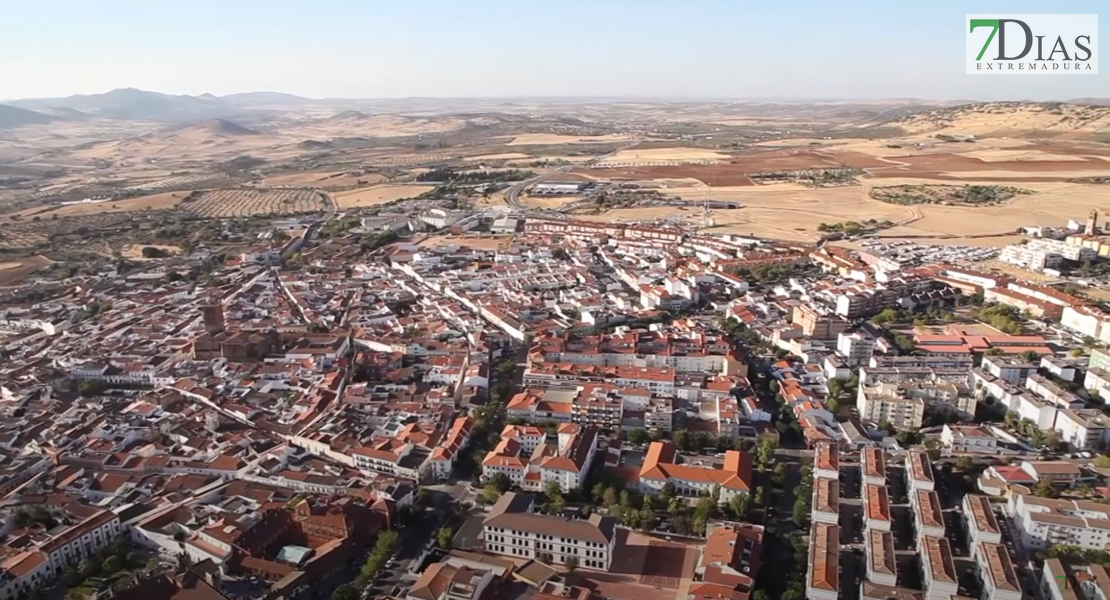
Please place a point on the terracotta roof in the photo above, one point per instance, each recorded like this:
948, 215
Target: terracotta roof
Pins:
824, 557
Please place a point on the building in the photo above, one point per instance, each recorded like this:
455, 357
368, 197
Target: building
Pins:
1045, 522
982, 525
823, 576
873, 466
826, 461
902, 403
928, 518
939, 571
529, 461
663, 465
855, 348
818, 325
730, 561
1060, 473
919, 471
1083, 429
882, 568
43, 560
512, 528
1100, 359
963, 439
826, 501
1009, 369
876, 507
996, 570
1041, 254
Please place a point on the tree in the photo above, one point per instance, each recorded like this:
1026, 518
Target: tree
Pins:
668, 491
1030, 356
778, 476
609, 498
1045, 489
739, 505
571, 564
965, 463
765, 453
112, 565
994, 352
501, 482
681, 439
1102, 462
637, 437
674, 506
1075, 352
801, 514
345, 592
648, 505
648, 520
444, 537
759, 595
887, 427
553, 490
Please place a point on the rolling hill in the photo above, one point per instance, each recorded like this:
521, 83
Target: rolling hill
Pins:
13, 116
995, 119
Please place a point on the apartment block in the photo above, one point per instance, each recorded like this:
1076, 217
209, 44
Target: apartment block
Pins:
1047, 522
982, 525
823, 576
876, 507
855, 348
940, 580
826, 461
882, 568
873, 465
826, 501
996, 570
928, 519
964, 439
919, 471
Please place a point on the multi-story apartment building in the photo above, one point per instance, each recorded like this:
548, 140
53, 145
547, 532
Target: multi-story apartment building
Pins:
1046, 522
882, 568
902, 403
818, 325
1100, 359
876, 507
996, 570
928, 518
1041, 254
1009, 369
855, 348
826, 500
512, 528
826, 461
919, 471
1085, 429
873, 466
885, 403
1093, 580
941, 582
662, 466
823, 576
982, 525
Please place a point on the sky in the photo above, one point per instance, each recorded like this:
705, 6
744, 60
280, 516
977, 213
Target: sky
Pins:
736, 49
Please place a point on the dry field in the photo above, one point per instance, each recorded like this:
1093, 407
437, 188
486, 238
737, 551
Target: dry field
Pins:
326, 180
152, 202
641, 156
548, 201
552, 139
379, 194
247, 202
502, 156
13, 271
999, 118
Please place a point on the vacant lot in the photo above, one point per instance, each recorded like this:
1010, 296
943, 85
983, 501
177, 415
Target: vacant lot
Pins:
13, 271
246, 202
379, 194
483, 242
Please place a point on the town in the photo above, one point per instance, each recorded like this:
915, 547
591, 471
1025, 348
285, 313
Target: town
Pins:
430, 404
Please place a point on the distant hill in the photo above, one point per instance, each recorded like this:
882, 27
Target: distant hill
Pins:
1010, 118
261, 98
130, 103
225, 128
13, 116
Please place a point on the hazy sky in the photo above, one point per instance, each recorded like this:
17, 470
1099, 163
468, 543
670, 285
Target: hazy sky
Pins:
396, 48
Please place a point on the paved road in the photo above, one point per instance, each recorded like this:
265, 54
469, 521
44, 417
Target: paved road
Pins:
512, 195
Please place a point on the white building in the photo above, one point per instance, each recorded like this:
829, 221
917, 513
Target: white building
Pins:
855, 348
962, 439
826, 461
1040, 254
940, 579
919, 471
826, 501
512, 529
996, 570
882, 567
1046, 522
823, 575
982, 525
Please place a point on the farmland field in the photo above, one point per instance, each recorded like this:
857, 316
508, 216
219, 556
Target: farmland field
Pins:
378, 194
246, 202
152, 202
12, 271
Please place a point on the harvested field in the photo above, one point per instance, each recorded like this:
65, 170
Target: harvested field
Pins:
379, 194
322, 180
551, 139
246, 202
12, 272
152, 202
638, 156
502, 156
739, 166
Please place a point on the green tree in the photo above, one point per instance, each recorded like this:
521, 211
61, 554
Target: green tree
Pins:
112, 565
765, 453
571, 564
444, 537
668, 491
648, 505
553, 490
681, 439
674, 506
637, 437
739, 505
801, 514
1045, 489
965, 463
778, 476
648, 522
345, 592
